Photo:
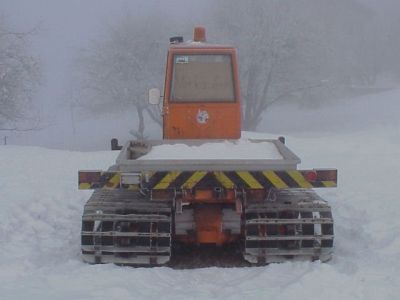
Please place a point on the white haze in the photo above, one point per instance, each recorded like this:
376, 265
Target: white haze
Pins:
65, 27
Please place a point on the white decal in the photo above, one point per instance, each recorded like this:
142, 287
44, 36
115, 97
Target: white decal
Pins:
182, 59
202, 116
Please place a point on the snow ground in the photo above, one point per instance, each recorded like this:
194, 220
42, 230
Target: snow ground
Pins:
40, 211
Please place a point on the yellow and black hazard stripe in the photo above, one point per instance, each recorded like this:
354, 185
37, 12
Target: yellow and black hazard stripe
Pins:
163, 180
240, 179
90, 180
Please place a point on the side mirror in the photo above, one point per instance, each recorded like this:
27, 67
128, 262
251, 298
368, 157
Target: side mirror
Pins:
154, 96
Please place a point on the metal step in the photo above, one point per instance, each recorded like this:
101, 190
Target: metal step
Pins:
266, 221
138, 260
275, 255
128, 217
135, 249
289, 238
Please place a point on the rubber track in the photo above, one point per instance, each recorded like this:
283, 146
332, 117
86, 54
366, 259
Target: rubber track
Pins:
297, 225
120, 226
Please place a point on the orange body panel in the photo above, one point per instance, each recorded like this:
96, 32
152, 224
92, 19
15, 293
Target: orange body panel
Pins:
208, 219
181, 119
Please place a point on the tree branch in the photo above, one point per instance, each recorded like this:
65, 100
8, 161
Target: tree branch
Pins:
153, 116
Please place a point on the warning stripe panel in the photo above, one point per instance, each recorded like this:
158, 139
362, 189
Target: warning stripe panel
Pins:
89, 180
193, 180
329, 183
154, 177
287, 179
250, 180
236, 180
275, 180
167, 180
300, 180
224, 180
161, 180
114, 182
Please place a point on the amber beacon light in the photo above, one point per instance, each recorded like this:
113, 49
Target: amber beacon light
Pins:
199, 34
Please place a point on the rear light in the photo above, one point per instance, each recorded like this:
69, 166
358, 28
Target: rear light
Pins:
327, 174
311, 176
89, 176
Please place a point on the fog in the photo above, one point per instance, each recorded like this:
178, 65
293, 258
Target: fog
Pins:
64, 29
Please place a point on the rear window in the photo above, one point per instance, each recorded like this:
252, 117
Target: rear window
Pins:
202, 78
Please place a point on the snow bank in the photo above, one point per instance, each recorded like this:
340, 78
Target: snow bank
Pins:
241, 149
40, 211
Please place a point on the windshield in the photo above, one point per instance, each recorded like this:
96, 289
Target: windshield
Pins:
202, 78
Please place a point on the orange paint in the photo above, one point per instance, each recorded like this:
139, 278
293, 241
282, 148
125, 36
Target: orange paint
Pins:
201, 119
208, 219
202, 101
199, 34
208, 196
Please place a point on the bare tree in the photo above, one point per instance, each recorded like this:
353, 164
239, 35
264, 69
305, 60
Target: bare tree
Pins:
289, 48
267, 34
19, 78
119, 69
